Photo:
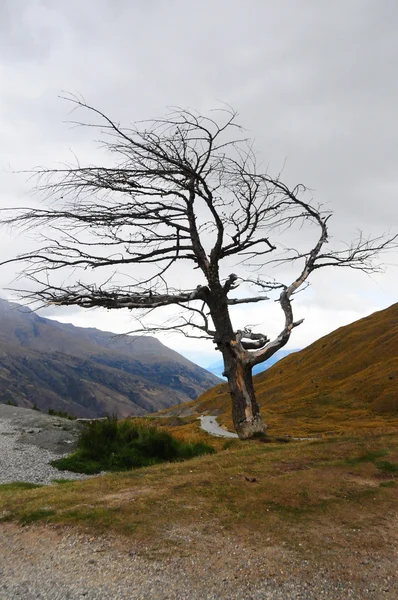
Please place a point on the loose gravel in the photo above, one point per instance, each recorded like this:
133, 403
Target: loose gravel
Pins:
27, 462
42, 563
29, 441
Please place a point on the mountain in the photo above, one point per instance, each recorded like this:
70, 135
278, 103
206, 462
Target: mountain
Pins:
345, 381
217, 367
87, 372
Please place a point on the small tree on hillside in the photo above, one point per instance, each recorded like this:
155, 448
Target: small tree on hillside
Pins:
183, 189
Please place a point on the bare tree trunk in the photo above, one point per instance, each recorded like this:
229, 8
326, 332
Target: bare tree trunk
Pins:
245, 410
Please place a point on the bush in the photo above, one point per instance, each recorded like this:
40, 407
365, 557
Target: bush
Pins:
110, 445
60, 413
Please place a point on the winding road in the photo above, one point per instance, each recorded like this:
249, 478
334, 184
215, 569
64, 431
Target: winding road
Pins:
210, 425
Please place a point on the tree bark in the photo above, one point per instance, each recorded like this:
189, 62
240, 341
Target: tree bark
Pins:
245, 410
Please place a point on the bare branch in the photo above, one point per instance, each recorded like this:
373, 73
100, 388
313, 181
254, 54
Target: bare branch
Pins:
258, 340
250, 299
89, 296
181, 190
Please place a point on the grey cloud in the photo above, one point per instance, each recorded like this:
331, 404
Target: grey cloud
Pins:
314, 82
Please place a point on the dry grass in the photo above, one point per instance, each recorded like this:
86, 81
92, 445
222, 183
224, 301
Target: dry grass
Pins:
345, 383
284, 490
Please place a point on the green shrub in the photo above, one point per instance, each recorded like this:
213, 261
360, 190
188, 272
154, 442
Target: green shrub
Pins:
60, 413
228, 444
387, 484
110, 445
371, 456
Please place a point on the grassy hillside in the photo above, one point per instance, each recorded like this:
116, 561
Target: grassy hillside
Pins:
344, 382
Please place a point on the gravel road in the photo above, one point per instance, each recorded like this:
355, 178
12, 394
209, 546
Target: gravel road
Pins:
210, 425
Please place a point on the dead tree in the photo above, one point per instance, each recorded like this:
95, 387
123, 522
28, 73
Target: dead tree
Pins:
183, 189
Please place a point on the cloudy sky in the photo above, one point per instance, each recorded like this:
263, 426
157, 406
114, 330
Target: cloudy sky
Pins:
314, 82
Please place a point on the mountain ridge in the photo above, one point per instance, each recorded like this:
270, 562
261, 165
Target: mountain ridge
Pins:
89, 372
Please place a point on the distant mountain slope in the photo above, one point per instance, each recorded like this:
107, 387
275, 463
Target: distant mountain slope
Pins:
346, 380
217, 367
88, 372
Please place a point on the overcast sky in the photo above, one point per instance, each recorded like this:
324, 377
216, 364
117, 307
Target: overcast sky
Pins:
315, 82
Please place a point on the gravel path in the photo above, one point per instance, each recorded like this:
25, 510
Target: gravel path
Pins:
210, 425
41, 563
29, 440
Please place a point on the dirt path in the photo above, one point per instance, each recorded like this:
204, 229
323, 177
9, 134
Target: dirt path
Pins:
53, 564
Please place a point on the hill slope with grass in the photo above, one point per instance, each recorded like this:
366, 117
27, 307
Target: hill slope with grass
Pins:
345, 381
87, 372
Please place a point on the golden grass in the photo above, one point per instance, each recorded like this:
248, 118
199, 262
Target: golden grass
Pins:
346, 382
250, 489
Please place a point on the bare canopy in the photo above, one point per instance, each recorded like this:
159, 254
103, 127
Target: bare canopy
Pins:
182, 190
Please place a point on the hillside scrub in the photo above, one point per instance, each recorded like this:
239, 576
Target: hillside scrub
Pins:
112, 445
59, 413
